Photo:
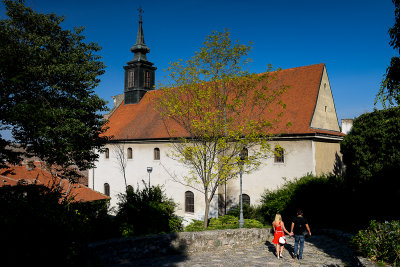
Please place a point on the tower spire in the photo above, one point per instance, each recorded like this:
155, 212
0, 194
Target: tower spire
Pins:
140, 49
139, 72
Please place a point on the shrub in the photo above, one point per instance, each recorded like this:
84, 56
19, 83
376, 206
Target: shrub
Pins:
147, 211
250, 223
94, 219
380, 241
319, 198
195, 226
249, 212
224, 222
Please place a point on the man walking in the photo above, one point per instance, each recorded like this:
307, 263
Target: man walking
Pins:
298, 229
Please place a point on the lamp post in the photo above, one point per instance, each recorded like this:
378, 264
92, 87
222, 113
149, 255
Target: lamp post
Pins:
243, 155
149, 170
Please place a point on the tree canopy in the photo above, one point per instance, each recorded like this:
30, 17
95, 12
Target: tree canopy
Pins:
47, 80
389, 93
221, 108
371, 149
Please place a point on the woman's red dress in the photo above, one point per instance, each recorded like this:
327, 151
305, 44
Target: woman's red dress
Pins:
278, 233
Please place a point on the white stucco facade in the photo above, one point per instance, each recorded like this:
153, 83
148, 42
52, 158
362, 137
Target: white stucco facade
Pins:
299, 159
163, 170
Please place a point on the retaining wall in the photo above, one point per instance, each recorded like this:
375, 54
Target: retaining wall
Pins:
118, 250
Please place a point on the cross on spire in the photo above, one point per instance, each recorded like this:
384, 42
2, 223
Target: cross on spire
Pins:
141, 11
140, 49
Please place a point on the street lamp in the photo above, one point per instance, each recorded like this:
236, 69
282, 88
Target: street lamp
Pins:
149, 170
243, 156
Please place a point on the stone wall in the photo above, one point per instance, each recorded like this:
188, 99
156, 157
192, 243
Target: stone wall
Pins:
119, 250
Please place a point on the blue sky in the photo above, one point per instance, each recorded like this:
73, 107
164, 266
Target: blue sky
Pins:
349, 36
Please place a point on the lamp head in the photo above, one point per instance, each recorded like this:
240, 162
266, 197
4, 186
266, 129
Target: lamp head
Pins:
243, 154
149, 169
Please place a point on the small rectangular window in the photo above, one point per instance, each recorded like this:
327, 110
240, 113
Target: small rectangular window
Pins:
156, 153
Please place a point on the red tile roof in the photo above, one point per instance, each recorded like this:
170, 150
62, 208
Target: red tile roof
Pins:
141, 121
38, 175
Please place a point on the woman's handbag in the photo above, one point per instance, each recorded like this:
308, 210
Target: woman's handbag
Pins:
282, 240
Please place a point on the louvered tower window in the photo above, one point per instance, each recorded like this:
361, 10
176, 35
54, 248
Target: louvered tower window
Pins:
131, 78
147, 79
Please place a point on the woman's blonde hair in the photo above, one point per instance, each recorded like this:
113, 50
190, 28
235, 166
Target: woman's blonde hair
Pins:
278, 218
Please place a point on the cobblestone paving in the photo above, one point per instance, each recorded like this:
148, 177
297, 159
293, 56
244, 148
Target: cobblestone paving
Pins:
318, 251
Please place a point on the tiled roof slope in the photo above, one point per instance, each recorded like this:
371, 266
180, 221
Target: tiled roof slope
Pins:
37, 175
141, 121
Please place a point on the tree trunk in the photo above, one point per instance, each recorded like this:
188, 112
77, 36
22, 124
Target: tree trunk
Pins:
207, 202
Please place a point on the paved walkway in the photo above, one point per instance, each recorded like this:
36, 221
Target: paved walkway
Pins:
318, 251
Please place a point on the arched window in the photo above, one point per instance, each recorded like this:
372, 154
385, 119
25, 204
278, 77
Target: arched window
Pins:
107, 189
279, 154
189, 201
129, 153
156, 153
107, 153
246, 199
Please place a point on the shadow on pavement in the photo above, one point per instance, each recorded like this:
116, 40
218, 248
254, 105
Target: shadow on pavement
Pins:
154, 250
337, 249
272, 249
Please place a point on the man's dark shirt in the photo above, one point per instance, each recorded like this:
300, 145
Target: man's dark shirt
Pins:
299, 225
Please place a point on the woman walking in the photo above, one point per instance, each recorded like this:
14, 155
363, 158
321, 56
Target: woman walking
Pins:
279, 229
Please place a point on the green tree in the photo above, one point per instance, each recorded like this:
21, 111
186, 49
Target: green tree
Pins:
371, 151
47, 81
389, 91
213, 109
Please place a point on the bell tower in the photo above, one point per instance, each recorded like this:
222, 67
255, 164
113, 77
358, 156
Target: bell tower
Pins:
139, 72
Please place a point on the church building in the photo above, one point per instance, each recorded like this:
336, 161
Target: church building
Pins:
310, 145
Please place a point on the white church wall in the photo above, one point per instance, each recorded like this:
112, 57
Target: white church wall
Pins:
299, 160
108, 171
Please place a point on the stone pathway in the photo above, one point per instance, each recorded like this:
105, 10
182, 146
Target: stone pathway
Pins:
318, 251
